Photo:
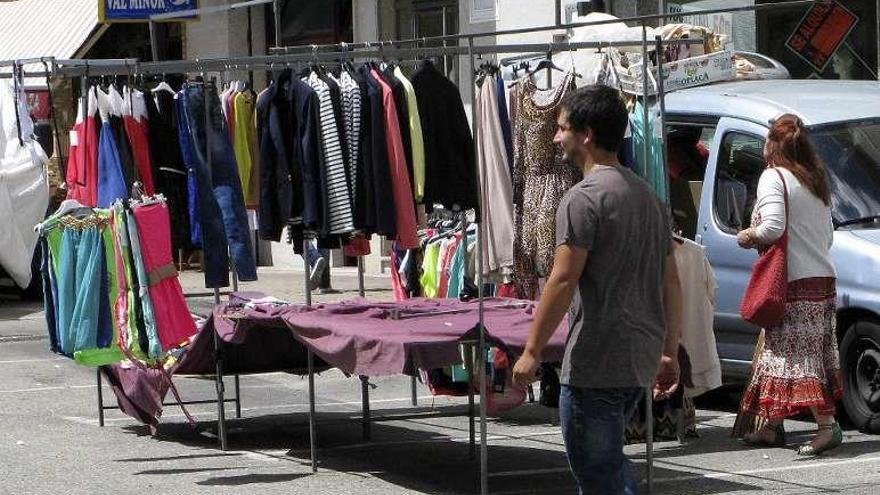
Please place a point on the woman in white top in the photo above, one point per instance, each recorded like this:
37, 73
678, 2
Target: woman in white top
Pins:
799, 369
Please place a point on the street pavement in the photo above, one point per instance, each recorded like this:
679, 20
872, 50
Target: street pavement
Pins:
50, 441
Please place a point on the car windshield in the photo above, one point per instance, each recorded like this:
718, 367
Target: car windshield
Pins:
851, 152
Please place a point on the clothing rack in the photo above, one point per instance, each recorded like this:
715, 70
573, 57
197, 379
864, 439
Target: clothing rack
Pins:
343, 51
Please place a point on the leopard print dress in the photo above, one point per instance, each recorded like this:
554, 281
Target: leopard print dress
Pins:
540, 178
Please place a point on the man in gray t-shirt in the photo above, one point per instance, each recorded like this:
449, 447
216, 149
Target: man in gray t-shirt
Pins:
614, 271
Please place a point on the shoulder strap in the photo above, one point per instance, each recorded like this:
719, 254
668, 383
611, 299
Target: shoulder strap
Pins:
784, 197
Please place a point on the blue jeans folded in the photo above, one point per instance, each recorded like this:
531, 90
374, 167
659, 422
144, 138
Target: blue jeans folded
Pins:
221, 208
593, 423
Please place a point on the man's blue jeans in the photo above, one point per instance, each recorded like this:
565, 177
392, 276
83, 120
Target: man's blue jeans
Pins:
593, 422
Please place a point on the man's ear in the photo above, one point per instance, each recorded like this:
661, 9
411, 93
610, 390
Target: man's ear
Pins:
588, 136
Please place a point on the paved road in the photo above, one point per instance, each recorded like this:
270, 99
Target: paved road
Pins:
50, 442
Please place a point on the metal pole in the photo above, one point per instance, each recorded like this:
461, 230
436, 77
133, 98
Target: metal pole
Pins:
276, 11
413, 384
100, 400
481, 350
218, 354
311, 359
312, 440
365, 407
661, 98
649, 439
365, 381
237, 397
361, 291
646, 130
646, 148
154, 41
472, 428
877, 34
218, 380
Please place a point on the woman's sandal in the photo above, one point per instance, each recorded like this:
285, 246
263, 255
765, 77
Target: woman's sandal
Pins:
755, 438
808, 449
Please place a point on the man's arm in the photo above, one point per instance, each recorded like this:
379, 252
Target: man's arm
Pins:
568, 264
668, 375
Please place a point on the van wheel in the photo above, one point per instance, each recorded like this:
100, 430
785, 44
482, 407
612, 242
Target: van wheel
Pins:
860, 363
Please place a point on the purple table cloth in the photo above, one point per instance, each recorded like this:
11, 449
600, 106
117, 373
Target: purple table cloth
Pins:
358, 337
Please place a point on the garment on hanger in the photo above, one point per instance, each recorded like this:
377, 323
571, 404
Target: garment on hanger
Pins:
114, 105
698, 287
400, 179
24, 186
82, 156
497, 230
351, 112
221, 209
450, 163
190, 160
384, 210
81, 263
137, 128
504, 118
417, 140
169, 172
173, 321
364, 197
400, 103
338, 217
651, 168
112, 182
244, 144
541, 178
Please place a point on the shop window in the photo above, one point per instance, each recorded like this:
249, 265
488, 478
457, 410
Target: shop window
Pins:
740, 163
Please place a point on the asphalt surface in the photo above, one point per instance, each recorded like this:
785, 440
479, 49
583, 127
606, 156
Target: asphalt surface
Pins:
50, 441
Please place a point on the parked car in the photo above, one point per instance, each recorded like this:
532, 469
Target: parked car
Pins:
843, 121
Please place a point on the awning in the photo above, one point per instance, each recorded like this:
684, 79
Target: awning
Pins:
62, 29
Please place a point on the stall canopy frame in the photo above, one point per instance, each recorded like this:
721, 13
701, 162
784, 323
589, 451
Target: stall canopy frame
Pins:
317, 53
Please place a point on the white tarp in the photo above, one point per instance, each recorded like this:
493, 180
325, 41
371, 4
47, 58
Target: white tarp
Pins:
24, 186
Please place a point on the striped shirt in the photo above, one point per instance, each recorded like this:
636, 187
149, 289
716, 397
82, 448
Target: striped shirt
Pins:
339, 205
351, 112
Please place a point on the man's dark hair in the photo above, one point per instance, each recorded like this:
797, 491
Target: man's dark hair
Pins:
601, 109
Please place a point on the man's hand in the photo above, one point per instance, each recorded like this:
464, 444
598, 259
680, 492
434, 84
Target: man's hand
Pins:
666, 381
525, 371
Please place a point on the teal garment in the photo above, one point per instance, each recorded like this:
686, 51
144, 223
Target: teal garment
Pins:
79, 287
652, 168
142, 284
458, 268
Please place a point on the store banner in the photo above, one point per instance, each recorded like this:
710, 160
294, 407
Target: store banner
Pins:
821, 32
140, 10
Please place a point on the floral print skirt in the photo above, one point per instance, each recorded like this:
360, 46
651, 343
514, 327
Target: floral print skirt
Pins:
799, 367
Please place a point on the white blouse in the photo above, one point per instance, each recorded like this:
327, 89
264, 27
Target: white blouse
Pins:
810, 231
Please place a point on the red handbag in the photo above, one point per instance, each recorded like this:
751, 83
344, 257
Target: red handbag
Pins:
763, 303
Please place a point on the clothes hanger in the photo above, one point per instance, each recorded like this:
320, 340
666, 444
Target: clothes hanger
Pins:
163, 86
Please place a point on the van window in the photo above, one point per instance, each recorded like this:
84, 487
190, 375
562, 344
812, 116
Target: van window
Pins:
687, 152
740, 163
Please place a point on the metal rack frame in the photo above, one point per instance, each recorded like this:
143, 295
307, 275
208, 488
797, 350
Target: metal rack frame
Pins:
315, 53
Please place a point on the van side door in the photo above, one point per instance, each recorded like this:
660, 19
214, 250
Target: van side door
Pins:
728, 196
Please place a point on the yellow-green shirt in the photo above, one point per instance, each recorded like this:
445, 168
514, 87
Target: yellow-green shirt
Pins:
416, 140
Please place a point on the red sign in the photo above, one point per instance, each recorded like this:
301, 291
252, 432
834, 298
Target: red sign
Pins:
820, 33
38, 104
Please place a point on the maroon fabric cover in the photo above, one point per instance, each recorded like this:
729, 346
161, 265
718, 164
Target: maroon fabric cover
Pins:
358, 337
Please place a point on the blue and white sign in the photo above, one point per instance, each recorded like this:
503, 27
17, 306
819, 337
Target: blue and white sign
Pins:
140, 10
